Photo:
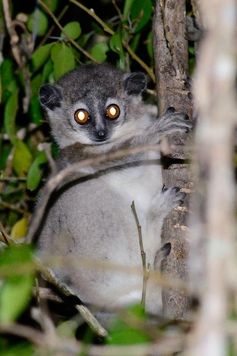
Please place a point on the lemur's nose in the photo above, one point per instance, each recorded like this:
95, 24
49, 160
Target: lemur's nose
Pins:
101, 133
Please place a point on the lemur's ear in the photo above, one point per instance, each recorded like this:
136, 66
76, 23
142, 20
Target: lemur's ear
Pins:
50, 96
135, 83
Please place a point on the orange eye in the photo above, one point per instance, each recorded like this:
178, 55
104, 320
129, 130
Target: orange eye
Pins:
81, 116
112, 112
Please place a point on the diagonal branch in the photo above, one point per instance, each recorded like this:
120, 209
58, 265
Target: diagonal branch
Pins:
74, 172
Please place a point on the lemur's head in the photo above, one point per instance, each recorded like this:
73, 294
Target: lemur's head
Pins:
92, 104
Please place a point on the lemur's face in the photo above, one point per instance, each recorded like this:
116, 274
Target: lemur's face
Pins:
91, 104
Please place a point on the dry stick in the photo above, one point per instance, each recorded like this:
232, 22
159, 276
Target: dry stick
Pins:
4, 237
92, 13
12, 207
46, 293
74, 43
143, 256
17, 53
114, 267
12, 179
12, 33
26, 332
66, 291
165, 346
107, 29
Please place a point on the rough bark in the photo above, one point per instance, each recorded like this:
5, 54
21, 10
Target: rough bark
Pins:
173, 89
213, 249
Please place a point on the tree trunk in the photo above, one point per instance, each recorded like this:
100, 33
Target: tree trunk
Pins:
173, 89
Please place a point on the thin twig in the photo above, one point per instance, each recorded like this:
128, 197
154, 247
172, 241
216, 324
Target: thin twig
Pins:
12, 207
118, 10
91, 320
74, 43
165, 345
14, 39
46, 293
46, 147
66, 291
4, 237
107, 29
140, 61
26, 332
17, 53
145, 267
92, 13
13, 179
59, 17
155, 276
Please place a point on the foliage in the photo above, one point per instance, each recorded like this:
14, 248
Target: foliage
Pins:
51, 38
57, 37
14, 264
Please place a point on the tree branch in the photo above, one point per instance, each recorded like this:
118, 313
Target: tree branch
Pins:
74, 43
107, 29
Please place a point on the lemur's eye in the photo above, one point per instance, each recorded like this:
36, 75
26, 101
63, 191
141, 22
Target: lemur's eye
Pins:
81, 116
112, 112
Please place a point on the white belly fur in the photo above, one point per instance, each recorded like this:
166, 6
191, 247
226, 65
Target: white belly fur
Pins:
140, 184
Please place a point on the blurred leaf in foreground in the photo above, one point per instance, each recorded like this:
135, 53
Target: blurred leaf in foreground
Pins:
16, 287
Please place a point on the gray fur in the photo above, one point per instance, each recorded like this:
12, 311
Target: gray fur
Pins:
92, 222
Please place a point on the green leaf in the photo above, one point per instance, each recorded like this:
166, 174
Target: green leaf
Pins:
21, 349
150, 45
38, 23
51, 4
47, 70
36, 82
141, 12
72, 30
135, 41
40, 56
10, 111
122, 333
63, 59
19, 229
15, 291
116, 43
7, 73
22, 158
116, 46
127, 7
98, 51
35, 110
35, 172
5, 151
